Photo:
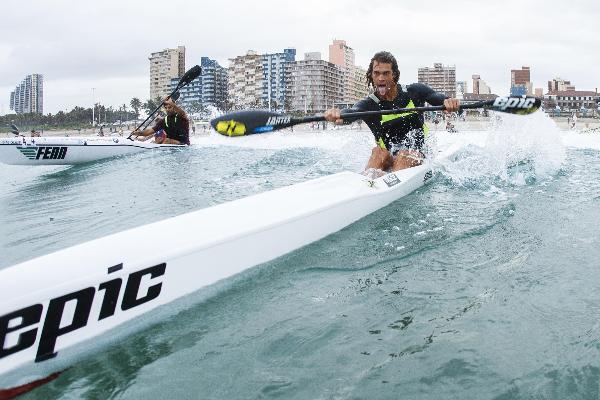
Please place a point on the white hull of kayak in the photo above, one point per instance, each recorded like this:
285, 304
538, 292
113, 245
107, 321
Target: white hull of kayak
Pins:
69, 150
51, 306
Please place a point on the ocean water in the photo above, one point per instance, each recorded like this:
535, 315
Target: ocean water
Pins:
483, 284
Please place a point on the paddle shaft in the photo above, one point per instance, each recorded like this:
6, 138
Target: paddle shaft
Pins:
247, 122
360, 114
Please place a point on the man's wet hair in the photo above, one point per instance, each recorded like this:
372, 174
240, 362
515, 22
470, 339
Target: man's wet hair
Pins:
383, 57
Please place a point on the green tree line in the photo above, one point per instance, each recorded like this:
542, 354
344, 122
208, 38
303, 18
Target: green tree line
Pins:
79, 117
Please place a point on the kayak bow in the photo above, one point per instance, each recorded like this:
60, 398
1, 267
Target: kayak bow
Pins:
69, 150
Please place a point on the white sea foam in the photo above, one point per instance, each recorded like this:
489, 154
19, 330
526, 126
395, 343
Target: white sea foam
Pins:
286, 139
516, 149
512, 140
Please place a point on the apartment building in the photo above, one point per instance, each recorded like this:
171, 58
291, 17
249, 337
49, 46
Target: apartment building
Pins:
479, 85
164, 66
440, 78
209, 89
354, 86
315, 84
461, 88
520, 82
275, 76
260, 80
572, 100
559, 85
28, 96
245, 80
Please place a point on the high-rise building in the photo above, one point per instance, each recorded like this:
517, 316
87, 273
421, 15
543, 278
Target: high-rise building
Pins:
520, 82
214, 83
164, 66
315, 84
28, 97
209, 89
354, 85
260, 80
275, 76
461, 88
358, 87
520, 76
479, 86
245, 80
439, 78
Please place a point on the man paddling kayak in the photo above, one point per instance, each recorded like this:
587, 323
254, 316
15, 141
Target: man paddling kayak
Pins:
176, 125
400, 137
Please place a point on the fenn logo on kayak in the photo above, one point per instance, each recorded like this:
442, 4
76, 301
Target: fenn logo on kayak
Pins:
44, 152
70, 312
279, 120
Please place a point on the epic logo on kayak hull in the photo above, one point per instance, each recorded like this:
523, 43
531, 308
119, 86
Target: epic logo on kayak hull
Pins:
391, 180
44, 152
79, 304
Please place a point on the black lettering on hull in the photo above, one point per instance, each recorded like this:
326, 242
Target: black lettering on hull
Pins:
51, 152
27, 323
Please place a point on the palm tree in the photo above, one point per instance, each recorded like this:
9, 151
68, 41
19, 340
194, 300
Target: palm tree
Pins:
124, 115
136, 104
149, 106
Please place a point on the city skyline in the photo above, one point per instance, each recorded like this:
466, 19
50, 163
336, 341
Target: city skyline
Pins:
107, 50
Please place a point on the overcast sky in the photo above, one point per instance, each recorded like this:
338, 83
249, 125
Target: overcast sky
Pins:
79, 45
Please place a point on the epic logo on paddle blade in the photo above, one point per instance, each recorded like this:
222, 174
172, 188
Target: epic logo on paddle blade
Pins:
517, 105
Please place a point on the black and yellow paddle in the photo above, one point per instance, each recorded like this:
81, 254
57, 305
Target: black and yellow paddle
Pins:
189, 76
242, 123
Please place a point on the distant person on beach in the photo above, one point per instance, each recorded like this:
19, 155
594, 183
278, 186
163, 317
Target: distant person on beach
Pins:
399, 137
101, 131
176, 125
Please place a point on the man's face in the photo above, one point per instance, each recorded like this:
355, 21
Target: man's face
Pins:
170, 110
383, 77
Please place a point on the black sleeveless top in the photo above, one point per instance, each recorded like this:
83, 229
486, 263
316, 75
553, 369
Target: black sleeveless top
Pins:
404, 130
176, 127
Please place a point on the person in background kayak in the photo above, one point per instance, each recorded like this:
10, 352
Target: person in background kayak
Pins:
176, 125
400, 137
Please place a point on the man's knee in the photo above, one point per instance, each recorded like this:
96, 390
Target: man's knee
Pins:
407, 159
380, 158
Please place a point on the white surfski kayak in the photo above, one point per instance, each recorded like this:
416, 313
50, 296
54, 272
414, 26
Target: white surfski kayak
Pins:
56, 308
69, 150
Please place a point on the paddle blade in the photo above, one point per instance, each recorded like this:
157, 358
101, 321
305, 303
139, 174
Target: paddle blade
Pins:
14, 129
516, 104
190, 75
248, 122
